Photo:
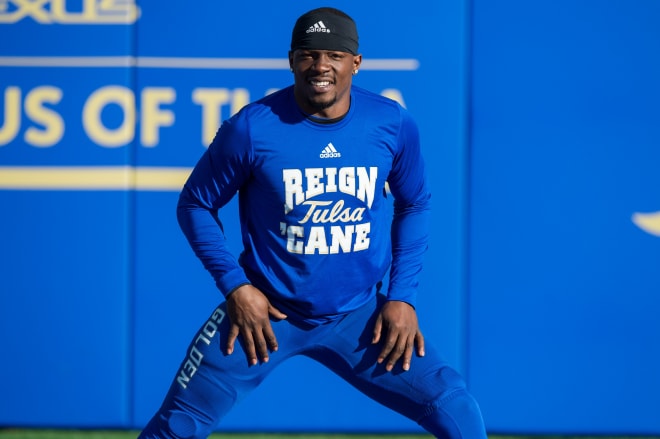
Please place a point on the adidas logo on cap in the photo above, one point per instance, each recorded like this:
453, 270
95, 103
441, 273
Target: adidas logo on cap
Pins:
318, 27
329, 152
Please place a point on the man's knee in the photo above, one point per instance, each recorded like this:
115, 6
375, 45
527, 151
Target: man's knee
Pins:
455, 415
176, 425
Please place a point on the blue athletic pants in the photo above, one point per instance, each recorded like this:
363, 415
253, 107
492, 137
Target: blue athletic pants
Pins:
209, 382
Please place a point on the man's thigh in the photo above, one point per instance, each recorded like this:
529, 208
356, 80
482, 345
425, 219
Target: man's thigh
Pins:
349, 352
209, 383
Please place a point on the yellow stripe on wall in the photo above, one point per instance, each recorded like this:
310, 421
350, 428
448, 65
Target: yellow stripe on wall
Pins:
93, 178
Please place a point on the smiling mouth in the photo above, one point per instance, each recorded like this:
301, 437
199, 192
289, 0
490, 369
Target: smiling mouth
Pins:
320, 84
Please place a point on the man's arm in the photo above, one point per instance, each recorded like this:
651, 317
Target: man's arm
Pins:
214, 181
397, 325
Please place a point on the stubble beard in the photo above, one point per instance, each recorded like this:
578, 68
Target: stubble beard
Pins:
321, 105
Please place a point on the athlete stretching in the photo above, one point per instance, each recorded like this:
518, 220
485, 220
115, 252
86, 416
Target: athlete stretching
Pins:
312, 164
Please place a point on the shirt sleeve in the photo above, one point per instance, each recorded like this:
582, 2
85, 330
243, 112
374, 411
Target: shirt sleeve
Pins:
214, 181
412, 211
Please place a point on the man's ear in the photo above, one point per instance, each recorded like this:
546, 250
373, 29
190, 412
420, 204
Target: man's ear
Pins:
357, 61
291, 60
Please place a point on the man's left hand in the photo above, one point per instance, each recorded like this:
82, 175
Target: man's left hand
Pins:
398, 328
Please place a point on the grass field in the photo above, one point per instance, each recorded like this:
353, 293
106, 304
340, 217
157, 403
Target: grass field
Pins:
83, 434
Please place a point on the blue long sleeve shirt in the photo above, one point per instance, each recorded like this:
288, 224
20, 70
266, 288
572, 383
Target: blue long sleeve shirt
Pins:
317, 224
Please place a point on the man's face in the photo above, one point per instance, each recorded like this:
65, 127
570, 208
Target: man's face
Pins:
323, 80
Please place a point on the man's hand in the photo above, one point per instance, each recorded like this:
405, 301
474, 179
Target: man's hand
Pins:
249, 312
398, 327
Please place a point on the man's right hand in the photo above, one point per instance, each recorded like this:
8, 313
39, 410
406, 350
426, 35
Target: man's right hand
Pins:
249, 313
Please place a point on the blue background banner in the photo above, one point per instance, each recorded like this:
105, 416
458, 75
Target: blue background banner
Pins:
541, 126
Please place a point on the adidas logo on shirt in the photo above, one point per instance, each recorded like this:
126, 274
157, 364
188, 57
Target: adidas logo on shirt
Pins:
318, 27
329, 152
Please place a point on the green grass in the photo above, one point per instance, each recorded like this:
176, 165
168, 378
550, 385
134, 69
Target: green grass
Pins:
112, 434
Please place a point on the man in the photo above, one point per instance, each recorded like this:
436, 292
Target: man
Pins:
312, 164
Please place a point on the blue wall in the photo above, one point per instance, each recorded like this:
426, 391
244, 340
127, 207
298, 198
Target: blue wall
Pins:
565, 151
540, 123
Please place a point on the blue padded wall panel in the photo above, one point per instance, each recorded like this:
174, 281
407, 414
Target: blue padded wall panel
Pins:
565, 148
